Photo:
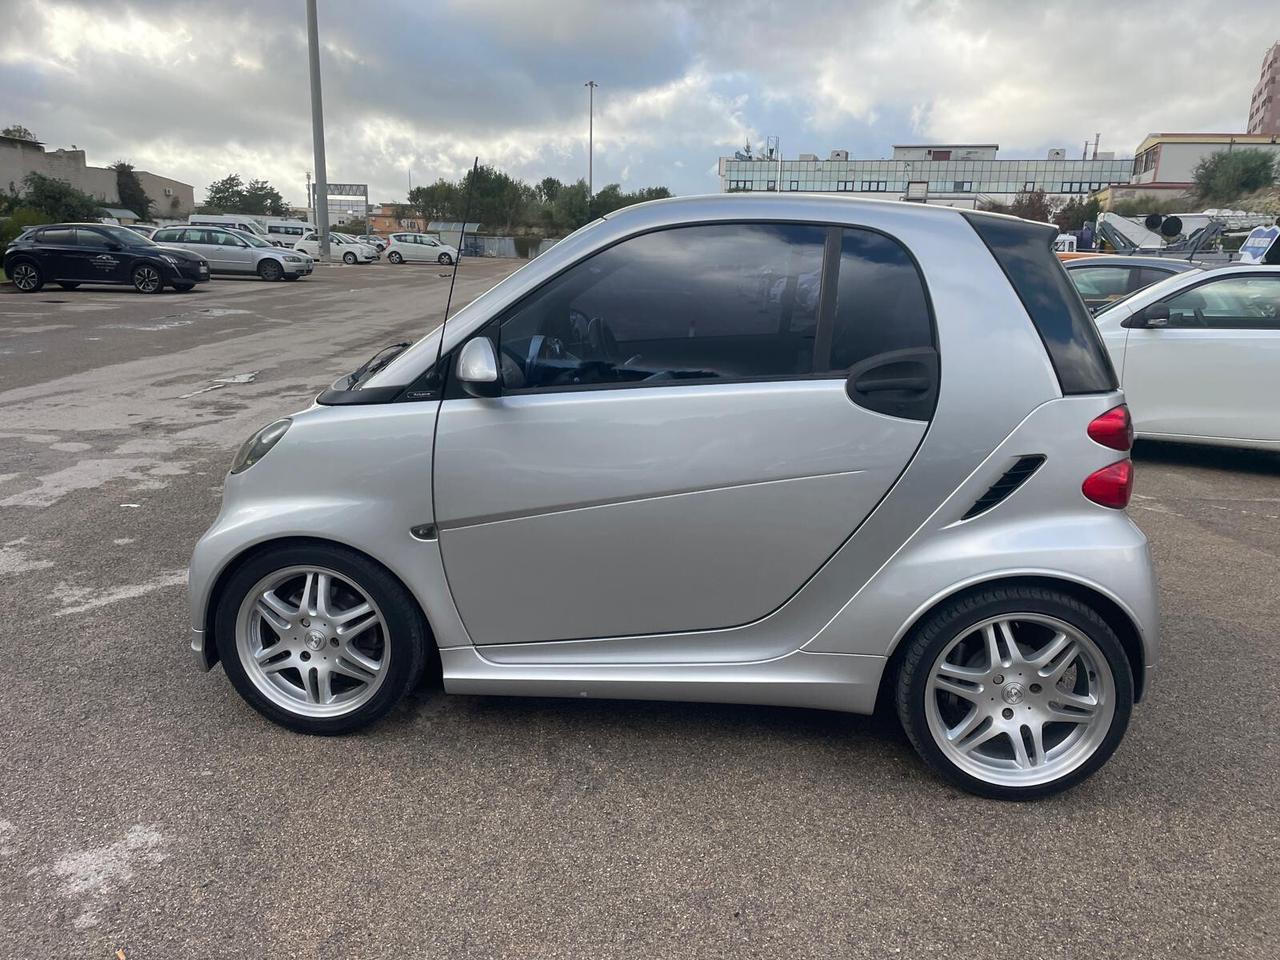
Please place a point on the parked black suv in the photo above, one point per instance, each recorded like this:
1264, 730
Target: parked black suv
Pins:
70, 254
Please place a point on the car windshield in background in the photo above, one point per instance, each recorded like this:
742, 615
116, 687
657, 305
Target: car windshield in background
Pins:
126, 237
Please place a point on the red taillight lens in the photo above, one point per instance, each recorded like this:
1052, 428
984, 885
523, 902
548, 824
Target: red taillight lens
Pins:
1113, 429
1111, 486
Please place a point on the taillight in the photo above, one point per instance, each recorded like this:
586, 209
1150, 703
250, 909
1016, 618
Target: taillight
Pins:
1113, 429
1111, 486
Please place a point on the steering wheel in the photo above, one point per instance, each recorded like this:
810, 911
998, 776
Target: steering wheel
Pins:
541, 349
1199, 315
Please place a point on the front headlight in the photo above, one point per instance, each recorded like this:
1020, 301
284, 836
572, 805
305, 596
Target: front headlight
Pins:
292, 259
259, 445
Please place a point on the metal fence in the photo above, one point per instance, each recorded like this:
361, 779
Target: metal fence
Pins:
515, 248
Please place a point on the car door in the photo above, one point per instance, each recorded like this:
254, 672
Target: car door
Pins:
93, 257
55, 250
1210, 370
675, 447
235, 253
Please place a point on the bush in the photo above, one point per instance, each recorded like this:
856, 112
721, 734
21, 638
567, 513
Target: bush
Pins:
18, 221
1227, 175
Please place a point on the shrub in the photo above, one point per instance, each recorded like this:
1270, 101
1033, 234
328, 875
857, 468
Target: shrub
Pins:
1226, 175
18, 221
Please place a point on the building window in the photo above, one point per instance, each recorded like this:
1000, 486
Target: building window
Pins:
963, 186
739, 185
1029, 185
845, 186
795, 184
773, 184
874, 186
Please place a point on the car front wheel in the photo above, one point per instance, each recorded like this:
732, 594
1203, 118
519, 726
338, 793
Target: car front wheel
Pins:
1015, 692
349, 257
445, 259
270, 270
146, 278
318, 638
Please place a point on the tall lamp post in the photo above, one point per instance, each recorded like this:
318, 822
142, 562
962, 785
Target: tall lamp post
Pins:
591, 115
317, 132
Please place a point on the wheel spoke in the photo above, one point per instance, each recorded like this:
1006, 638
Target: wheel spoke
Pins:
972, 721
978, 739
306, 603
968, 691
324, 684
1053, 663
276, 666
1073, 707
346, 616
1036, 732
349, 667
1020, 755
360, 659
322, 596
348, 631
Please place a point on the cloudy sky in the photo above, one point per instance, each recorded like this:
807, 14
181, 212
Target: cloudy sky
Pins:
196, 90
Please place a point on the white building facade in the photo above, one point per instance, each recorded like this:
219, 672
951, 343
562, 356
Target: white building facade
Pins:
958, 175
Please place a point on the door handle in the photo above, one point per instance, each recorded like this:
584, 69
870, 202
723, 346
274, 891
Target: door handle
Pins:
883, 384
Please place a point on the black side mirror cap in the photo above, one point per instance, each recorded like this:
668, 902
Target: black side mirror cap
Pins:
1155, 315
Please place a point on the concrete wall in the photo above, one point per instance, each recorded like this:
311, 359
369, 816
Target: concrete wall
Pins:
18, 158
169, 198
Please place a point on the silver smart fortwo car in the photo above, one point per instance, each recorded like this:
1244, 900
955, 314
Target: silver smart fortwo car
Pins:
797, 450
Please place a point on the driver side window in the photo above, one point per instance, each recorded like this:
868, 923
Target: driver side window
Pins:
714, 302
1240, 303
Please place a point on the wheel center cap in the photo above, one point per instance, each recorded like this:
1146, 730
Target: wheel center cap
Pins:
1012, 693
315, 639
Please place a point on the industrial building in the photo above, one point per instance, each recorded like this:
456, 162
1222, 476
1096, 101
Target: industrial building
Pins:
958, 175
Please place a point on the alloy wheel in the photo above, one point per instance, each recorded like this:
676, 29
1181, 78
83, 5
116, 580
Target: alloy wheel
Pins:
146, 279
26, 277
312, 641
1020, 699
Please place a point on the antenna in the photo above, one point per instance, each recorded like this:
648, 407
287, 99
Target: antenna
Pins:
462, 236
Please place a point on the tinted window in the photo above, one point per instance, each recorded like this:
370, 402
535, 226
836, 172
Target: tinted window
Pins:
1248, 303
86, 237
881, 304
1101, 283
714, 302
167, 236
1149, 275
65, 236
1024, 251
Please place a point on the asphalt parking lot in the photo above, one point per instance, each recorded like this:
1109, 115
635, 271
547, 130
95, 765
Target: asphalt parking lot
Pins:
144, 808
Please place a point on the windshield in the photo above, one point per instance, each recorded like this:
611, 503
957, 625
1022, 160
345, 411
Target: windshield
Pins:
126, 237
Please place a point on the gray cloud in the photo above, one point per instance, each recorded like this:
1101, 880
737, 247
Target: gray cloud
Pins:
196, 90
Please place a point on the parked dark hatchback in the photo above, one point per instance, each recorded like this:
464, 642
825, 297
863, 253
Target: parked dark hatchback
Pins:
70, 254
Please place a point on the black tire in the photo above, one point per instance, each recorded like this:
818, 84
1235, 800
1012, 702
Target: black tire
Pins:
270, 270
147, 278
349, 257
406, 633
68, 285
445, 259
184, 287
933, 634
26, 276
395, 257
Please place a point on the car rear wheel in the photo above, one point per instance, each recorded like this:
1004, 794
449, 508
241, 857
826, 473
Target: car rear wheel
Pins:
395, 257
146, 278
1015, 692
270, 270
445, 259
68, 286
318, 638
349, 257
26, 276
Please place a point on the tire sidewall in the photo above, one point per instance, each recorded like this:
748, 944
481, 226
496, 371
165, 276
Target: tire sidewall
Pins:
270, 270
24, 262
932, 636
395, 257
133, 277
405, 629
349, 257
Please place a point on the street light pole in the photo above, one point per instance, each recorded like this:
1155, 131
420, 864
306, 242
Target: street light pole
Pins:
317, 133
591, 115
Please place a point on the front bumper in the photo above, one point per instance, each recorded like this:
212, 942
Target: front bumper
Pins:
189, 271
300, 269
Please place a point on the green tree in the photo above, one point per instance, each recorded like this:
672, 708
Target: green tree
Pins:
438, 201
571, 210
1229, 174
58, 200
224, 196
261, 198
548, 189
1075, 213
18, 220
132, 196
18, 132
1032, 205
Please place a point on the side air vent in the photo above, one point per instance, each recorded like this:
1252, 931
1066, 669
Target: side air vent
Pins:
1013, 478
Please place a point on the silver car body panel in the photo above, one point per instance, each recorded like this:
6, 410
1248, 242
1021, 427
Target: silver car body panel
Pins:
873, 504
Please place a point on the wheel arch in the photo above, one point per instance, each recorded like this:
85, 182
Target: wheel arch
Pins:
1117, 618
256, 549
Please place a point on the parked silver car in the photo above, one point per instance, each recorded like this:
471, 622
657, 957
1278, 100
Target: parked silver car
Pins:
237, 253
796, 450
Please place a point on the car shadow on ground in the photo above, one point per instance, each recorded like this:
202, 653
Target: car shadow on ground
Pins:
1228, 459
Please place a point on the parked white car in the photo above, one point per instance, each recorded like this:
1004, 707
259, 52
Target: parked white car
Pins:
1198, 356
419, 246
349, 249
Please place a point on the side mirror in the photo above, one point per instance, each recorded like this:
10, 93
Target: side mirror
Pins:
1155, 315
478, 368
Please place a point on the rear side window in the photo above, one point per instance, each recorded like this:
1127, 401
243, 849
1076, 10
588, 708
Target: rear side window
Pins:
1024, 251
63, 236
881, 305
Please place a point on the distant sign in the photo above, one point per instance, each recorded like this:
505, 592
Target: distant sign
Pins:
348, 189
1259, 241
